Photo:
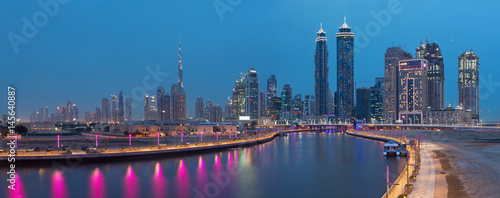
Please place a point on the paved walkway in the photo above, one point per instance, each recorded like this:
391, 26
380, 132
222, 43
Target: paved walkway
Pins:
424, 186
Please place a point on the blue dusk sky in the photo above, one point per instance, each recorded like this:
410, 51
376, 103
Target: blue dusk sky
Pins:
88, 49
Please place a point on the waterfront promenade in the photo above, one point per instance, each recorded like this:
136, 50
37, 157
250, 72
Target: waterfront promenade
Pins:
139, 151
420, 161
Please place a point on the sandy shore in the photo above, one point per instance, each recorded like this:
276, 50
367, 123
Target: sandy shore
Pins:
466, 162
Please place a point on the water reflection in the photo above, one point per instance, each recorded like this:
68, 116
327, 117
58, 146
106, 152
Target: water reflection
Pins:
19, 188
158, 181
58, 185
96, 184
130, 183
182, 180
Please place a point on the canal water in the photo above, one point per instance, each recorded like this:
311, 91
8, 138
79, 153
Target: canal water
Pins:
300, 165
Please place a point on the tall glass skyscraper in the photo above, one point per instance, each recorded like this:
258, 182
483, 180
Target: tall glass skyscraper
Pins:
286, 102
345, 72
252, 94
321, 88
121, 118
435, 74
468, 83
271, 89
392, 57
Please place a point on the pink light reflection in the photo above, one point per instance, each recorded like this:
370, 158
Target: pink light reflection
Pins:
182, 180
97, 184
19, 189
201, 175
130, 184
58, 185
159, 182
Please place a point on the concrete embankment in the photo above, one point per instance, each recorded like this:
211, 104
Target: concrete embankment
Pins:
140, 153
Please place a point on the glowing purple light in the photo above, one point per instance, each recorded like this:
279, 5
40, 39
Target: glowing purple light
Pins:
57, 141
201, 136
96, 144
15, 140
97, 184
229, 134
387, 174
158, 135
58, 186
217, 133
130, 139
130, 183
182, 134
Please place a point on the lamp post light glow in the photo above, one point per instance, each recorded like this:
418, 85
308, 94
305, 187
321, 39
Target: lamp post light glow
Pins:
57, 141
158, 135
217, 133
130, 139
229, 134
201, 136
15, 140
182, 134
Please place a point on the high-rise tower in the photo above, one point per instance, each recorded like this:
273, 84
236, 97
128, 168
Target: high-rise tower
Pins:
121, 118
392, 57
321, 88
435, 74
468, 83
180, 81
178, 94
252, 94
345, 72
271, 88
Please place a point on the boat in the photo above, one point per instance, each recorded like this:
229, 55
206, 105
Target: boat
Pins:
392, 147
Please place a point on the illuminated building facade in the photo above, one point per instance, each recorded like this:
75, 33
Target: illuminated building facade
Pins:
286, 102
345, 72
391, 80
435, 74
252, 94
321, 88
412, 90
468, 83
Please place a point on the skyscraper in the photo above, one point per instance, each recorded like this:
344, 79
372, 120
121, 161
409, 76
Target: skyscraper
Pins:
121, 118
146, 107
106, 113
128, 109
309, 105
239, 97
391, 91
377, 100
272, 90
274, 110
163, 104
252, 94
262, 104
114, 109
363, 110
286, 102
198, 108
345, 72
297, 107
412, 90
435, 74
178, 103
152, 108
97, 115
468, 83
46, 113
321, 88
178, 94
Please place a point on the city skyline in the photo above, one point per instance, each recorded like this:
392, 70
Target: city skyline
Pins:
87, 91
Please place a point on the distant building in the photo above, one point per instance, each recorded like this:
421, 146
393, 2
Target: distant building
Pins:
153, 112
239, 97
448, 116
178, 95
286, 102
363, 104
391, 90
114, 109
274, 110
309, 105
97, 115
262, 104
252, 94
345, 72
128, 109
162, 104
412, 90
106, 114
146, 107
297, 107
468, 83
121, 109
322, 87
435, 74
198, 108
377, 100
272, 88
